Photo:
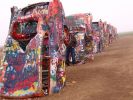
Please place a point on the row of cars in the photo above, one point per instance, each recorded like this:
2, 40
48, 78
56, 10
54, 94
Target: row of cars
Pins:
33, 62
92, 37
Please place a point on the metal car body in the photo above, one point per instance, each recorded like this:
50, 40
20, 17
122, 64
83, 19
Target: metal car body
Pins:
32, 63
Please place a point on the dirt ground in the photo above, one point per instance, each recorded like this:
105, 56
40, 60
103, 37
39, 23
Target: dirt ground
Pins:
109, 77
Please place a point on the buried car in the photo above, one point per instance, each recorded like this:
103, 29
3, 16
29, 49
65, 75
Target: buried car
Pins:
32, 63
80, 26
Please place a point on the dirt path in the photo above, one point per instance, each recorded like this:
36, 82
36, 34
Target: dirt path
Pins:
109, 77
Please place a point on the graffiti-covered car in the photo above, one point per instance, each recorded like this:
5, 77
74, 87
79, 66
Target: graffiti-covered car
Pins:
80, 26
32, 63
98, 36
112, 31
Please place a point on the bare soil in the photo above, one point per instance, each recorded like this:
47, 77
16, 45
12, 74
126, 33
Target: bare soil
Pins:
108, 77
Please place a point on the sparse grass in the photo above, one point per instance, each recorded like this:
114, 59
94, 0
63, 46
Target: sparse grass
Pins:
125, 33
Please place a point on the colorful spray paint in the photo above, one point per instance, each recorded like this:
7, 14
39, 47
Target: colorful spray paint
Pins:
80, 26
32, 60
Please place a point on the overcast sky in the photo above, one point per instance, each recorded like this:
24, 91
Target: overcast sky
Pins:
116, 12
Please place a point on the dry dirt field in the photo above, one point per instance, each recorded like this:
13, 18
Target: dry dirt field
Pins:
109, 77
